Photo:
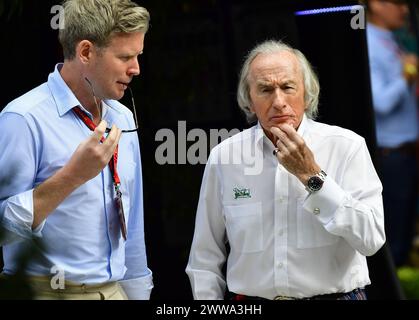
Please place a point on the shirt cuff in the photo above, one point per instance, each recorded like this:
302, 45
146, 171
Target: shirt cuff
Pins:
18, 217
138, 288
324, 203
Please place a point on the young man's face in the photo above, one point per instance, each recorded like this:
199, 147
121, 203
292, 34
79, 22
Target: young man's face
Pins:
276, 89
115, 66
389, 14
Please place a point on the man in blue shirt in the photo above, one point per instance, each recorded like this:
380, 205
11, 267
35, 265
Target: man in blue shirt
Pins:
393, 80
71, 181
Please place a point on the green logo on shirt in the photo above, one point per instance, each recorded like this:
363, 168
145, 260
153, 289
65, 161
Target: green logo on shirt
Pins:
241, 193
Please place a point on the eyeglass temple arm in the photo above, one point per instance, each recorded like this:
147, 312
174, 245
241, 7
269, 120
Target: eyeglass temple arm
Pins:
133, 106
132, 102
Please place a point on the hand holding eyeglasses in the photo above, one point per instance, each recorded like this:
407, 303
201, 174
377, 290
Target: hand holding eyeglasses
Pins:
91, 156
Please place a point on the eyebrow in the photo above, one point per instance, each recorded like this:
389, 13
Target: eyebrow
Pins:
131, 55
264, 83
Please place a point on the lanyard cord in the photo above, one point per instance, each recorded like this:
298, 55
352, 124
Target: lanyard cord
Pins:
114, 160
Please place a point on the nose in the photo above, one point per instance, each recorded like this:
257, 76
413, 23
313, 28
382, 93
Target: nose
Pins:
134, 68
278, 101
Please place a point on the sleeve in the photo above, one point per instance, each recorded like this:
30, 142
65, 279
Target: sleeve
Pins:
139, 288
208, 252
138, 281
17, 176
386, 94
353, 209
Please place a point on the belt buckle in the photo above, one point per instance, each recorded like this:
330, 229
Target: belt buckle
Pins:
283, 298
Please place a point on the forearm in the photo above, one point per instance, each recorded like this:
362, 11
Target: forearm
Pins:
139, 288
359, 221
48, 195
89, 159
387, 96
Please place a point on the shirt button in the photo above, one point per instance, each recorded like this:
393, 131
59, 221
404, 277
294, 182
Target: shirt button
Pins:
281, 199
280, 233
316, 211
280, 265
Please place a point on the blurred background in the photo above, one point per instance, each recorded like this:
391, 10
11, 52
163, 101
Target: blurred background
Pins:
189, 72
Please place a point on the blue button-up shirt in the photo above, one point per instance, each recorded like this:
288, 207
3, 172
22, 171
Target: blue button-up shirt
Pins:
394, 99
39, 134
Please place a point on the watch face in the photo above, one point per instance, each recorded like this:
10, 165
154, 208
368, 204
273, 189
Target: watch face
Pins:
315, 183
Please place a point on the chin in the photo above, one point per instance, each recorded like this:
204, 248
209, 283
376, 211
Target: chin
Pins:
117, 95
279, 122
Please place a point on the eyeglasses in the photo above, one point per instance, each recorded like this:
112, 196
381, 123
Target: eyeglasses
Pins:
132, 104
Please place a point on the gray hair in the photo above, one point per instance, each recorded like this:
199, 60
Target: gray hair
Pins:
311, 82
98, 20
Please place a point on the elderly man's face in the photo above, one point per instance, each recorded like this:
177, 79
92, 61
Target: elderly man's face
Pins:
276, 90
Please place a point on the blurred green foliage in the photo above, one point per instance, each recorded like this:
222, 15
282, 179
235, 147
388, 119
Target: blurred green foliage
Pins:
409, 279
16, 287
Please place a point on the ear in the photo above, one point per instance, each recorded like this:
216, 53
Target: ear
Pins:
84, 51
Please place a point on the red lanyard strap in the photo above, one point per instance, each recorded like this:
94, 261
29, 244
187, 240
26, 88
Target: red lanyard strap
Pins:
114, 160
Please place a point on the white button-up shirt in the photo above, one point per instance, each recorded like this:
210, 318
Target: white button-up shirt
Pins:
284, 240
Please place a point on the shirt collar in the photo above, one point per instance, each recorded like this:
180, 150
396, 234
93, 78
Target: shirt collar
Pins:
64, 98
380, 32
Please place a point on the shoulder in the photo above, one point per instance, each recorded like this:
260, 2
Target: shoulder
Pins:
236, 139
334, 133
234, 144
30, 101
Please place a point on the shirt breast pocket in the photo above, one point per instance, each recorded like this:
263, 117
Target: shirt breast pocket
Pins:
310, 232
244, 227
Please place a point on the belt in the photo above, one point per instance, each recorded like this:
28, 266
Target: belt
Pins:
45, 283
408, 148
357, 294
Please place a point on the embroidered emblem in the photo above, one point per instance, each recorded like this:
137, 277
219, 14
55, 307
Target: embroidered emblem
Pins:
241, 193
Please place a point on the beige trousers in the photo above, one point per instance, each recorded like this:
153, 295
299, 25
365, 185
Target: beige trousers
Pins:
43, 290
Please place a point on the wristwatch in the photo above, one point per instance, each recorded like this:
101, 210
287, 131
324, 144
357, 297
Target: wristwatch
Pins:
315, 182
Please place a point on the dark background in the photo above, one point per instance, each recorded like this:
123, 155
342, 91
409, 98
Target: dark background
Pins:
189, 72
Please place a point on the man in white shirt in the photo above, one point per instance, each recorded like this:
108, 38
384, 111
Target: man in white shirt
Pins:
299, 202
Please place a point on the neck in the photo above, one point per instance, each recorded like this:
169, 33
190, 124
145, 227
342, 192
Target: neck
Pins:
73, 77
97, 113
378, 23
